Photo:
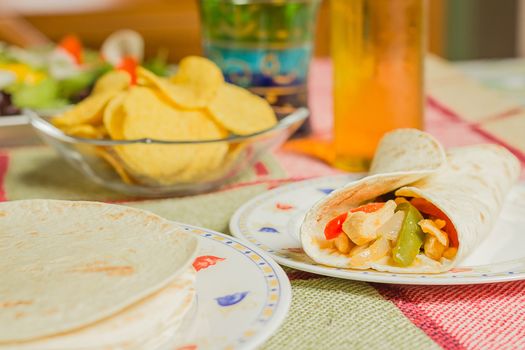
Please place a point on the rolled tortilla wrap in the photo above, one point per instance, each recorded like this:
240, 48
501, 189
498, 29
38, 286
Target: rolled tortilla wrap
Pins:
468, 185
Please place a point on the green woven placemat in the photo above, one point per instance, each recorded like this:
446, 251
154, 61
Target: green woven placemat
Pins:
330, 313
39, 172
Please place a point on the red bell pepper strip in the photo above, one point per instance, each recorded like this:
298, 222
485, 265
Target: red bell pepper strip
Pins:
428, 208
334, 227
369, 207
129, 64
73, 46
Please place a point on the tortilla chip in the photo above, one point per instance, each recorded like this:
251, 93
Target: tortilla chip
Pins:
86, 131
240, 111
114, 116
114, 162
147, 116
88, 111
194, 86
115, 80
200, 78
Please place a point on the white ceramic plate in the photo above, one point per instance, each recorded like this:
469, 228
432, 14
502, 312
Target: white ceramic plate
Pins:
242, 296
272, 220
22, 119
13, 120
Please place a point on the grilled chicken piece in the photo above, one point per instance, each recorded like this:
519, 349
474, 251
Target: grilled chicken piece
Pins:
433, 248
433, 227
362, 227
343, 244
436, 240
361, 255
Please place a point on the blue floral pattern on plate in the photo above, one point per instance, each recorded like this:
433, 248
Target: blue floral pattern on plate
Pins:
231, 299
268, 229
326, 190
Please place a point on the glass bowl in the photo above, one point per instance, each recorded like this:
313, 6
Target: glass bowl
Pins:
198, 166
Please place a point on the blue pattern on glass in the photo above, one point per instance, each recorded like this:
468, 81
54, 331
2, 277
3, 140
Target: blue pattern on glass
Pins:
326, 190
268, 229
231, 299
261, 67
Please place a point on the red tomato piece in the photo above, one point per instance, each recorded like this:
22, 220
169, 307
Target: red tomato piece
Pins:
129, 65
73, 46
334, 227
428, 208
368, 208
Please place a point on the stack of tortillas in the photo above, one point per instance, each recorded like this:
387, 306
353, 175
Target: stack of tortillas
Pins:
83, 275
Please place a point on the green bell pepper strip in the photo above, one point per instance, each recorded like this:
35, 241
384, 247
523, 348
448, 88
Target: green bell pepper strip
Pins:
410, 238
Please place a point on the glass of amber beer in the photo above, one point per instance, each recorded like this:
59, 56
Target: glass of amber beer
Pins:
377, 53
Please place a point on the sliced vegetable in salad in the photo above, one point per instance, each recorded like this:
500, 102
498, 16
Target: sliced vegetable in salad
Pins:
55, 76
49, 77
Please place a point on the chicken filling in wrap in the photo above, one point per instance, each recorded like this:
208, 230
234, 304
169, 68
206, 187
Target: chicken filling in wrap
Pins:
400, 228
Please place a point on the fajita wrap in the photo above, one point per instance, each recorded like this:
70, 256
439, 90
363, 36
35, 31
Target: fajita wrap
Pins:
421, 209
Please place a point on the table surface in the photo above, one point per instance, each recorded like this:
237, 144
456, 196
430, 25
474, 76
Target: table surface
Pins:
326, 313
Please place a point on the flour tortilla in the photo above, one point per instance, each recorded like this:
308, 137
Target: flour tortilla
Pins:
141, 323
65, 265
468, 184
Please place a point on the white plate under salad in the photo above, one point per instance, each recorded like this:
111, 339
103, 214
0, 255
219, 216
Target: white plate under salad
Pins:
271, 222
